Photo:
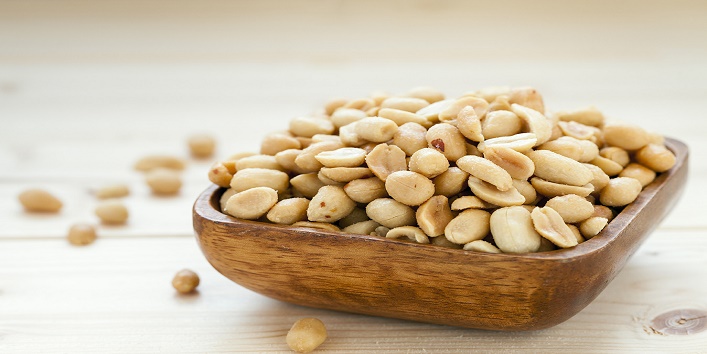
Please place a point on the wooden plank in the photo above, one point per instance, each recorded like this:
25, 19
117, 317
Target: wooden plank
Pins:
116, 294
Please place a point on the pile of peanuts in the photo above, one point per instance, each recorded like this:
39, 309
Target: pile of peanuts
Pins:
489, 171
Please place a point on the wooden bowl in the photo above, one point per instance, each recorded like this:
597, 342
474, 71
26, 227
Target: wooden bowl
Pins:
383, 277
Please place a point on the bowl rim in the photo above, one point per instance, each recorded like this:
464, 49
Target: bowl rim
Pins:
206, 207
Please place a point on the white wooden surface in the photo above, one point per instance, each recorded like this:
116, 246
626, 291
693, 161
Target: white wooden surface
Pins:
86, 88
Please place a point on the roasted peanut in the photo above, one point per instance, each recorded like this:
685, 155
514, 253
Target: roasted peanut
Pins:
385, 159
344, 174
451, 112
274, 143
330, 204
620, 191
163, 181
609, 167
409, 188
528, 97
587, 116
401, 117
346, 116
470, 202
376, 129
513, 231
252, 203
112, 211
356, 216
433, 215
489, 193
334, 104
428, 162
572, 208
306, 159
592, 226
656, 157
390, 213
308, 126
185, 281
115, 191
289, 211
556, 168
469, 124
616, 154
81, 234
487, 171
409, 104
150, 162
552, 189
519, 142
517, 165
447, 139
481, 246
308, 184
451, 182
260, 177
259, 161
431, 112
641, 173
365, 190
537, 123
363, 227
626, 136
500, 123
549, 224
470, 225
576, 130
428, 94
306, 335
39, 200
317, 225
411, 232
410, 137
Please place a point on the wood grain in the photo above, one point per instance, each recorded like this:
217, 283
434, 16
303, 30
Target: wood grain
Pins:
383, 277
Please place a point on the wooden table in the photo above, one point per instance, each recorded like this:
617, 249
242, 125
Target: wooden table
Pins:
87, 88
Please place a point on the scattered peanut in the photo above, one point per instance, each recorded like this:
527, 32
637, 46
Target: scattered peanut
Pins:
39, 200
81, 234
306, 335
202, 145
112, 211
163, 181
185, 281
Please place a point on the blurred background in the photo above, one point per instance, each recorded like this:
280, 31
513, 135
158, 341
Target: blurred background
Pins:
89, 87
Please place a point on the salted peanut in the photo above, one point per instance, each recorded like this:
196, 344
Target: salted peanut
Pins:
306, 159
600, 180
317, 225
224, 197
620, 191
470, 202
408, 104
481, 246
592, 226
381, 231
431, 112
185, 281
572, 208
469, 124
112, 211
237, 156
518, 165
565, 146
411, 232
487, 171
552, 189
401, 117
536, 122
334, 104
587, 116
390, 213
343, 157
447, 139
641, 173
479, 105
655, 138
491, 93
150, 162
289, 211
201, 145
434, 215
603, 212
286, 159
346, 116
220, 175
164, 181
259, 161
556, 133
260, 177
363, 227
471, 149
500, 123
356, 216
519, 142
556, 168
526, 190
308, 184
549, 224
376, 129
409, 188
656, 157
450, 182
115, 191
349, 137
410, 137
343, 174
362, 104
470, 225
577, 234
616, 154
428, 162
428, 94
274, 143
609, 167
305, 335
365, 190
330, 204
590, 151
318, 138
304, 142
527, 97
626, 136
489, 193
385, 159
500, 103
251, 204
81, 234
308, 126
513, 231
576, 130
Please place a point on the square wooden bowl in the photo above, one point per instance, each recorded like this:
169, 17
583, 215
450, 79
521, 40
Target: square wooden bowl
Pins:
382, 277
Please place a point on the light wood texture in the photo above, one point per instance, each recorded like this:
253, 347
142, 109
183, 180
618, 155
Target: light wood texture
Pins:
86, 88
